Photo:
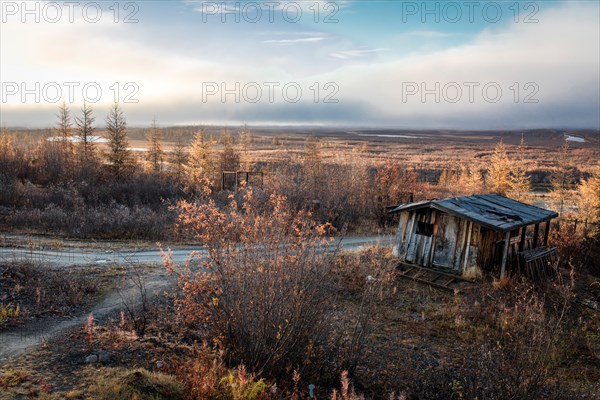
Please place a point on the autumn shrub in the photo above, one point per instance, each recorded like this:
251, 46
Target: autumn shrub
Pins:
204, 375
113, 221
10, 192
45, 191
200, 372
577, 245
347, 192
326, 190
392, 184
53, 163
120, 221
569, 244
261, 289
140, 189
136, 304
592, 261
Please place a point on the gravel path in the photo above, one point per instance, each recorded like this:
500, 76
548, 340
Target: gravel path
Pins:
85, 256
15, 342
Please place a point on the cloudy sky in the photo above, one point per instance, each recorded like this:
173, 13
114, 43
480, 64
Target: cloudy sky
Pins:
456, 65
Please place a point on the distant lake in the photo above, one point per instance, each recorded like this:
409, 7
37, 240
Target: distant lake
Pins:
571, 138
388, 136
78, 139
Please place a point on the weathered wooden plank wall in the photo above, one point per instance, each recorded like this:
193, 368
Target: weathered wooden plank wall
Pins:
455, 243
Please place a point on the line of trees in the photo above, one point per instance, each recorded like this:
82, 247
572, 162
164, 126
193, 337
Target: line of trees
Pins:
59, 185
119, 160
508, 173
189, 165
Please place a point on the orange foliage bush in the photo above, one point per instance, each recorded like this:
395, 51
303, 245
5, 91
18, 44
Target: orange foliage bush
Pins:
261, 287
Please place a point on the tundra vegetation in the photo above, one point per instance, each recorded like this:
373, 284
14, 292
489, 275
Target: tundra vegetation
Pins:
272, 309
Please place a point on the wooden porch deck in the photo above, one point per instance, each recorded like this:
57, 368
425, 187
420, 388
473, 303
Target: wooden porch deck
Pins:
433, 277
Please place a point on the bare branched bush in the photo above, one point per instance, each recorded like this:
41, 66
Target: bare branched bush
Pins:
392, 185
135, 299
576, 247
261, 288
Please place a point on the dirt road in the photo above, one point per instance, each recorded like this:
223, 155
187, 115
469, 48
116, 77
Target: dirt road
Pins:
84, 256
17, 341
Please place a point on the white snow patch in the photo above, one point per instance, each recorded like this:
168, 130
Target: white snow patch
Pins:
572, 138
78, 139
391, 136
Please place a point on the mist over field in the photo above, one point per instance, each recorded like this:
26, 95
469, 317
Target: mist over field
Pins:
488, 65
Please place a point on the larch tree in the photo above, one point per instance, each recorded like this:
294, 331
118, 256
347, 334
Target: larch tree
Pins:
470, 179
155, 154
245, 139
119, 155
230, 156
451, 179
86, 149
85, 130
498, 172
561, 179
201, 160
64, 125
64, 131
520, 183
588, 197
179, 157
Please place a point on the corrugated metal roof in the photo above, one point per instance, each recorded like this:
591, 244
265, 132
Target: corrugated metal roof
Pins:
490, 210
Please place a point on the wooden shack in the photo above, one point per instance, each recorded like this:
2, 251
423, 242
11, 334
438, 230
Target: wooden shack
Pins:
472, 234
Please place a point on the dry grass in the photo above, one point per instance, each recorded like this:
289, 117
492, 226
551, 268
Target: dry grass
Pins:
416, 335
135, 384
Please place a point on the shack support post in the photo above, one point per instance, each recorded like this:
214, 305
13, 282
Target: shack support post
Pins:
505, 255
546, 233
536, 233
